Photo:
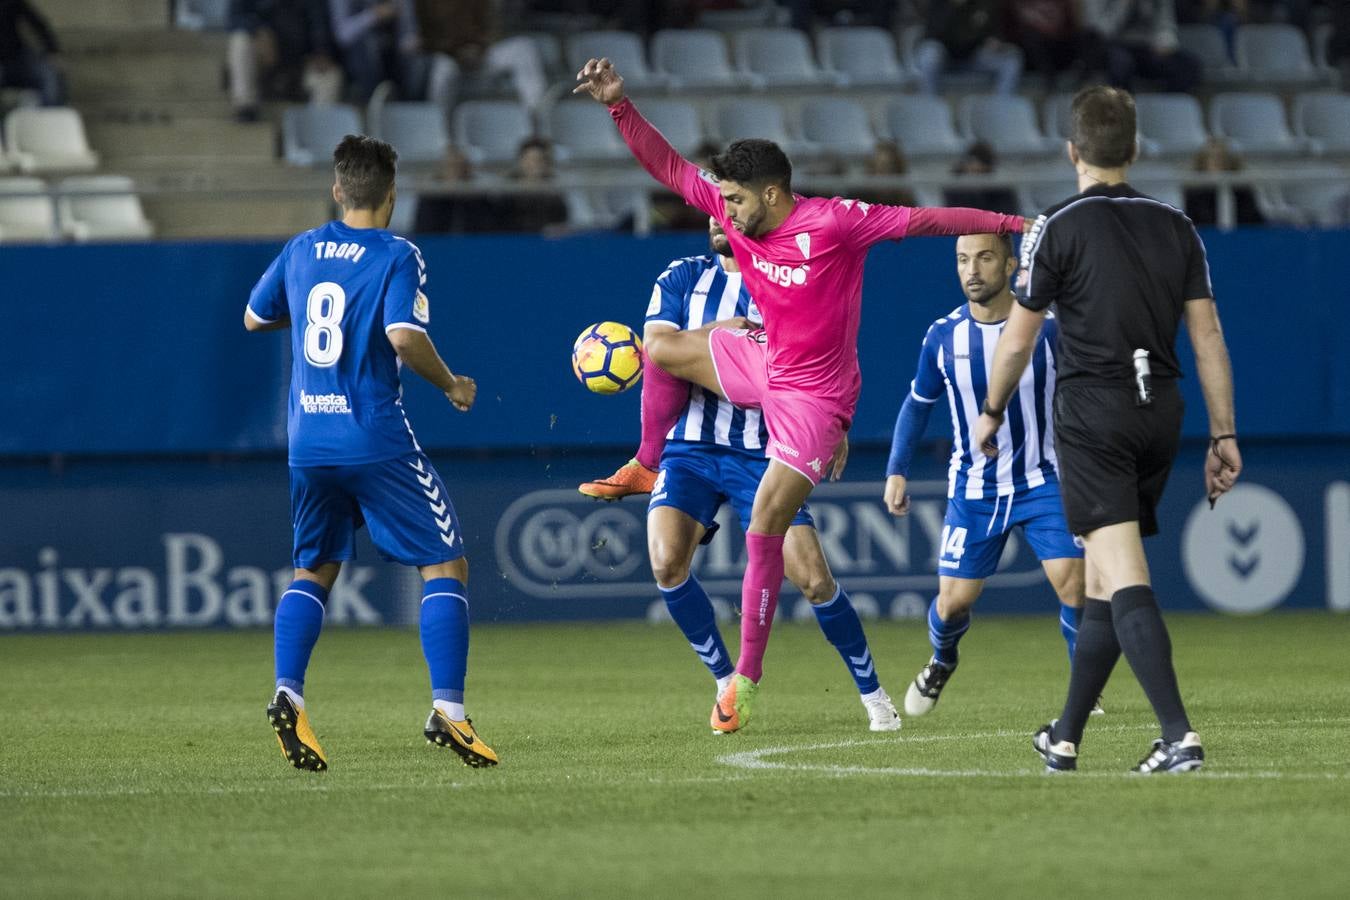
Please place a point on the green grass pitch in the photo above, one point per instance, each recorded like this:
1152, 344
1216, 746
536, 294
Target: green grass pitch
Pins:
142, 766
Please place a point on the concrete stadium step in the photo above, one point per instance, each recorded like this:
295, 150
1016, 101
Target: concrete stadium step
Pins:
67, 14
197, 216
189, 140
160, 74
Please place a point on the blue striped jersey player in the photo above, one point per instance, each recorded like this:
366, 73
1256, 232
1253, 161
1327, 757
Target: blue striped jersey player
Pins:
986, 498
713, 455
353, 296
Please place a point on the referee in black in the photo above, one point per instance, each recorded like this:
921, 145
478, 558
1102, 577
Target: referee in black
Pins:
1122, 270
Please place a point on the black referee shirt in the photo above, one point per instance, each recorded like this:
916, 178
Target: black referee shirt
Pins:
1120, 267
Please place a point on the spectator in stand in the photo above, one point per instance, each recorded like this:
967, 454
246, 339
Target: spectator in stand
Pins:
24, 66
457, 212
1051, 35
1141, 42
886, 161
466, 39
967, 35
379, 42
1202, 203
979, 159
287, 46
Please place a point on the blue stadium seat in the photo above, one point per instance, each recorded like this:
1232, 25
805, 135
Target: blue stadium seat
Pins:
781, 57
583, 132
30, 217
1174, 124
309, 133
922, 126
765, 119
1326, 119
1275, 53
1207, 42
694, 58
1255, 125
623, 48
864, 56
491, 131
838, 127
417, 130
1008, 124
678, 121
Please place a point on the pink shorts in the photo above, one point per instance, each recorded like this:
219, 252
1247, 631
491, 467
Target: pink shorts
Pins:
803, 431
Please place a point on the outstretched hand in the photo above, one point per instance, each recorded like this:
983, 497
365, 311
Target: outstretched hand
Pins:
600, 79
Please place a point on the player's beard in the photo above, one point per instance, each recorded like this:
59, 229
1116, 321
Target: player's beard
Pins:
984, 295
720, 244
752, 223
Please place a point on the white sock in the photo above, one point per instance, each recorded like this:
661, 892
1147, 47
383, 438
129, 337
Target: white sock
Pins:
723, 682
452, 711
875, 695
295, 698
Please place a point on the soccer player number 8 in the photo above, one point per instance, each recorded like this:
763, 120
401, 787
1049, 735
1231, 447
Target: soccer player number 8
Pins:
323, 335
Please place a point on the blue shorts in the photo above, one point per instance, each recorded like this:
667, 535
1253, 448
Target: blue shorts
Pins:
975, 532
402, 501
697, 478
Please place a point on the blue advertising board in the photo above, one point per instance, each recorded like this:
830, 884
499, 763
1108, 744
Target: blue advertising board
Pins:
141, 349
131, 544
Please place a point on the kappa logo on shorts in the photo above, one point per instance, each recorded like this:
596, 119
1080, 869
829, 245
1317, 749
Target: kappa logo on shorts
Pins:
814, 465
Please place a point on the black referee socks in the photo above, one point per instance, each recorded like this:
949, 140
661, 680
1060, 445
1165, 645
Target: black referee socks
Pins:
1093, 659
1144, 640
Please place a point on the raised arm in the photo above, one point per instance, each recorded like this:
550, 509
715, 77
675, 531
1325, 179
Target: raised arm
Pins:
602, 82
869, 223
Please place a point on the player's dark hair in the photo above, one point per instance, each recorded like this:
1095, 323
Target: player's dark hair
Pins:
753, 162
365, 169
1006, 241
1102, 126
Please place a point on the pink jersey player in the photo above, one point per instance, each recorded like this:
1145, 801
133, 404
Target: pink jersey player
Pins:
802, 260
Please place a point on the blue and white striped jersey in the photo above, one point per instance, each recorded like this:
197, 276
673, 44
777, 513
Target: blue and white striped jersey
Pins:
957, 354
689, 294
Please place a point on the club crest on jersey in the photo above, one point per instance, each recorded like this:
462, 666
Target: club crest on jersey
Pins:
783, 276
804, 244
421, 309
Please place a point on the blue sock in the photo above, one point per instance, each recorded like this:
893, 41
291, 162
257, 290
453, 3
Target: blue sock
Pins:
842, 627
296, 630
944, 636
445, 636
693, 613
1069, 618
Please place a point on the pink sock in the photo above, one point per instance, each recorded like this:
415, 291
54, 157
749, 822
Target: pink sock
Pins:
759, 600
663, 398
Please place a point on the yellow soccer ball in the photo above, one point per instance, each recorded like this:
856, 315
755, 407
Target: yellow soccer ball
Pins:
607, 357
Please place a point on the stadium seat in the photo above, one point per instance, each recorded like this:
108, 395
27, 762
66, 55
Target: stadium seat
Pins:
551, 52
838, 127
1207, 42
1274, 53
26, 218
623, 48
490, 131
48, 139
416, 129
1168, 192
922, 126
781, 57
1319, 204
1173, 124
1255, 125
863, 56
1038, 196
1055, 116
678, 121
1326, 119
1008, 124
112, 211
583, 132
765, 119
309, 133
694, 58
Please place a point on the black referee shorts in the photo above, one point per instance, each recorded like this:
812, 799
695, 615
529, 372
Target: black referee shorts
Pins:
1114, 457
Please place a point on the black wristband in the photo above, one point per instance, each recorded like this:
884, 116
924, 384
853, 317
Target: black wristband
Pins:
1214, 439
991, 413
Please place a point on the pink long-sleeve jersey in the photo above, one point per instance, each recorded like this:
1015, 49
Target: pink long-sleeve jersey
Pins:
806, 274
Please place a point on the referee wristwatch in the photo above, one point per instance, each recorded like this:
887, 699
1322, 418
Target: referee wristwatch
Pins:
991, 413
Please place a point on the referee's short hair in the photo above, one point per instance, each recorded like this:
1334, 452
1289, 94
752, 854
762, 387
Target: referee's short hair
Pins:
753, 162
1102, 126
365, 169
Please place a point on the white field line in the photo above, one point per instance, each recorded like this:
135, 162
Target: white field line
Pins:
747, 761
